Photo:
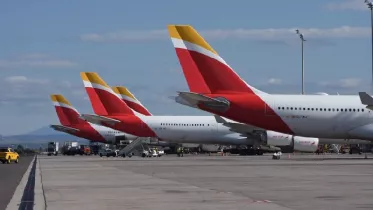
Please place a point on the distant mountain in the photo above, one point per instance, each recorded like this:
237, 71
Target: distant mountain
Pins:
40, 137
44, 131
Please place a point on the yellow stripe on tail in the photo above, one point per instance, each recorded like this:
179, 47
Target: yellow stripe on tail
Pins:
124, 91
93, 77
189, 34
60, 99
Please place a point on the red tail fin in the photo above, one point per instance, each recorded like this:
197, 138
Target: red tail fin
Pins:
200, 62
131, 100
103, 99
66, 113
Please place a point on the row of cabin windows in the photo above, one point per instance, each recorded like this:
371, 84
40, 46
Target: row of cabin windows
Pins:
181, 124
321, 109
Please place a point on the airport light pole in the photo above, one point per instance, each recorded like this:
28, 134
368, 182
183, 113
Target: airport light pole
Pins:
302, 40
370, 6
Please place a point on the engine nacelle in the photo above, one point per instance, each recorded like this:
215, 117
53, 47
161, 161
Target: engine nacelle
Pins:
279, 139
305, 144
299, 143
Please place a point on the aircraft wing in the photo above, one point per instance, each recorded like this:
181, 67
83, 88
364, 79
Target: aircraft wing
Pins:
96, 119
195, 99
65, 129
244, 129
366, 99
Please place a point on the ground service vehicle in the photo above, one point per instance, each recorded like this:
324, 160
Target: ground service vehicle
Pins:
107, 153
84, 150
70, 148
53, 148
7, 155
95, 147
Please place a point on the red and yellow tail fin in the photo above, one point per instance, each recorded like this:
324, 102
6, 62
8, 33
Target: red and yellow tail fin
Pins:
131, 100
66, 113
200, 62
103, 99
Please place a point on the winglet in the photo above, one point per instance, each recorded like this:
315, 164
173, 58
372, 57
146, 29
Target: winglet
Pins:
131, 100
366, 99
219, 119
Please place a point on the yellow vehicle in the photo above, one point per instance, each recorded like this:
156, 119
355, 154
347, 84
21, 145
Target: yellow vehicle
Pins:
7, 155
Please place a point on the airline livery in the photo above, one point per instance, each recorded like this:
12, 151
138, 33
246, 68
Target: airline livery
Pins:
71, 123
131, 100
225, 94
113, 112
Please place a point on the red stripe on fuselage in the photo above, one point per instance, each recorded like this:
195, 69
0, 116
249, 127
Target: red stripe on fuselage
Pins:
138, 108
251, 109
245, 105
133, 125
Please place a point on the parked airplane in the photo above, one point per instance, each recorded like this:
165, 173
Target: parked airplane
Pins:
113, 112
71, 123
133, 103
131, 100
225, 94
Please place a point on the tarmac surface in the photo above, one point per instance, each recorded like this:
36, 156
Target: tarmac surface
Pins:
304, 182
10, 176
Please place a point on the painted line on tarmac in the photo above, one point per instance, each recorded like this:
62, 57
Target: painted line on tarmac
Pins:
29, 192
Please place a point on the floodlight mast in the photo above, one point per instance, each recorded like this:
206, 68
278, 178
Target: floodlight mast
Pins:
370, 6
302, 40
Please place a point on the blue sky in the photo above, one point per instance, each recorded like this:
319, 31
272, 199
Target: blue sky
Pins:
45, 44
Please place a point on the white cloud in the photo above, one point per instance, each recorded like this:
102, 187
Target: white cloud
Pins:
36, 63
125, 36
21, 90
258, 34
343, 83
35, 60
274, 81
347, 5
21, 80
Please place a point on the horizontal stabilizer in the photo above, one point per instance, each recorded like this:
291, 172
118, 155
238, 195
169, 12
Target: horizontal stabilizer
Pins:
195, 99
64, 128
99, 120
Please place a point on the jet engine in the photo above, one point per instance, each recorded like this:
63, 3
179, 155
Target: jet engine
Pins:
299, 143
305, 144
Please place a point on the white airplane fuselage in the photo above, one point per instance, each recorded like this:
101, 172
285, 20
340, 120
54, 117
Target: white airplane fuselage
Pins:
323, 116
193, 129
